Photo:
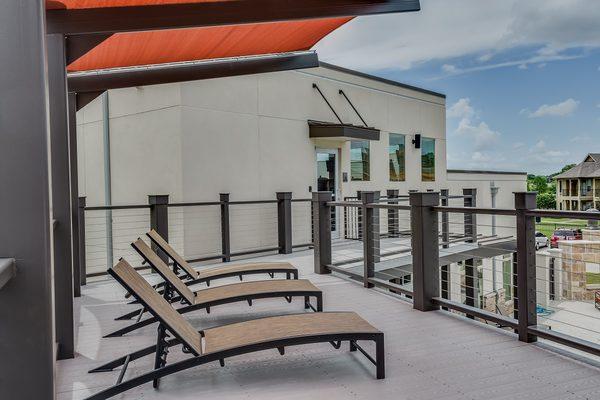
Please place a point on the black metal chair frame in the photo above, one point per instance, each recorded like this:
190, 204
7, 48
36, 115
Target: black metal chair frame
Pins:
160, 351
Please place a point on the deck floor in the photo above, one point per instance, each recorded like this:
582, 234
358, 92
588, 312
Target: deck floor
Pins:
431, 355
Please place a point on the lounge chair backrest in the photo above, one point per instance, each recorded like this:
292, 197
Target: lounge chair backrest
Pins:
166, 247
158, 306
163, 269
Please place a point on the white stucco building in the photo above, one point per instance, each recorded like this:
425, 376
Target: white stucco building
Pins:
249, 136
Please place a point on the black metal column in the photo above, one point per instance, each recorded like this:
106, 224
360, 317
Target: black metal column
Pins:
526, 270
322, 231
470, 231
425, 249
370, 236
284, 222
392, 214
27, 325
81, 240
61, 197
225, 229
78, 269
159, 220
445, 269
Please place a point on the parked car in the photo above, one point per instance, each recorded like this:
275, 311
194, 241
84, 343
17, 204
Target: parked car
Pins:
564, 234
540, 240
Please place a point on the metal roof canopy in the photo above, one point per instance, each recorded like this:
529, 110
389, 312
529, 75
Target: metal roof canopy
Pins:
326, 130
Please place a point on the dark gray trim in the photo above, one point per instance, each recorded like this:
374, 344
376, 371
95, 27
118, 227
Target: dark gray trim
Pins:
61, 197
380, 79
26, 329
8, 270
284, 222
474, 171
328, 130
98, 81
176, 16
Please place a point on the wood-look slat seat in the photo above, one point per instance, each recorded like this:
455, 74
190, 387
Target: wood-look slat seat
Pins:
208, 274
270, 329
212, 296
219, 343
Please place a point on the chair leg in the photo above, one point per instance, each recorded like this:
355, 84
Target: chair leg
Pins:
380, 356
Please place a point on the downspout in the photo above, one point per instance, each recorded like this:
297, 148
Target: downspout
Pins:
494, 192
107, 179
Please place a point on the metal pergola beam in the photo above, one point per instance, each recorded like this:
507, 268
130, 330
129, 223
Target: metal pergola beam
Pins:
172, 16
99, 81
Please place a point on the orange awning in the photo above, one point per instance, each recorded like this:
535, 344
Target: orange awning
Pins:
177, 45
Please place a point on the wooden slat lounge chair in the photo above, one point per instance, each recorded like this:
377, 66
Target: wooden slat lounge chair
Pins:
219, 343
225, 271
209, 297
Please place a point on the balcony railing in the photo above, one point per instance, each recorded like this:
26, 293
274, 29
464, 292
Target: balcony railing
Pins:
201, 231
454, 253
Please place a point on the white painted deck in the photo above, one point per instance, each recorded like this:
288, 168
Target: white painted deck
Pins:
431, 355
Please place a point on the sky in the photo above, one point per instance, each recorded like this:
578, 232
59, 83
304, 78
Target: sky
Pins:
522, 77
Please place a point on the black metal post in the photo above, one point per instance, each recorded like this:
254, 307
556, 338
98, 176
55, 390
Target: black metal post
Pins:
370, 236
392, 214
445, 269
78, 269
470, 231
359, 216
26, 327
284, 222
322, 231
425, 249
159, 220
61, 197
526, 270
81, 241
225, 229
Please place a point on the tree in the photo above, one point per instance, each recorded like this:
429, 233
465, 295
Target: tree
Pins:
538, 184
546, 201
566, 168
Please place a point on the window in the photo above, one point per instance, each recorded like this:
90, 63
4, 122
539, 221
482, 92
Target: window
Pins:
359, 160
507, 278
396, 150
427, 160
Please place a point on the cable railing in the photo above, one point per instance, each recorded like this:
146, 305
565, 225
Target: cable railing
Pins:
200, 231
481, 262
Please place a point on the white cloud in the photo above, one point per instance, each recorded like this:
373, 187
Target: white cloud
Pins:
518, 145
444, 30
461, 109
523, 66
482, 136
449, 69
562, 109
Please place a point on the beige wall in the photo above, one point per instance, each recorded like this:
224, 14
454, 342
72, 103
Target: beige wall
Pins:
248, 136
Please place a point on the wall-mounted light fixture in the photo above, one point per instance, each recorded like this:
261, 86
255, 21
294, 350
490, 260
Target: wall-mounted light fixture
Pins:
417, 140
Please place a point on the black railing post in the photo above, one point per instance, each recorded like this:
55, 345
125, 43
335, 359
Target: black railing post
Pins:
425, 249
392, 214
445, 273
359, 216
322, 231
284, 222
159, 220
526, 269
82, 268
370, 235
225, 228
470, 231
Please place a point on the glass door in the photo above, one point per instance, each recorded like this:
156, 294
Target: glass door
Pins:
327, 180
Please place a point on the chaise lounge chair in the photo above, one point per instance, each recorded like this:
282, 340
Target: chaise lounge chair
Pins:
220, 272
208, 297
219, 343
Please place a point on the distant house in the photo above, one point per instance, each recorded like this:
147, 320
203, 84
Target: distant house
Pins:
579, 188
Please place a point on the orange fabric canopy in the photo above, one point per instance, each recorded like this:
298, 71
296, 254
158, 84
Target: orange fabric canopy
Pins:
177, 45
81, 4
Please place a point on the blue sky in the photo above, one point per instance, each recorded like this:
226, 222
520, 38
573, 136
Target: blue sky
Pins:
522, 78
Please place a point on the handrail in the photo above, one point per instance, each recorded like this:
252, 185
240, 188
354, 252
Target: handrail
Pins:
563, 214
8, 270
123, 207
476, 210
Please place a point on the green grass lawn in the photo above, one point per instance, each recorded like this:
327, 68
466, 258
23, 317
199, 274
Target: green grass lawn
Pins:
593, 278
548, 225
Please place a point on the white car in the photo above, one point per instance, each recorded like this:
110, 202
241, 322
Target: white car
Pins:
540, 240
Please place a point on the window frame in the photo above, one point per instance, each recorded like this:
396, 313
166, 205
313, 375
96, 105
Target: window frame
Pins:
401, 167
423, 141
368, 161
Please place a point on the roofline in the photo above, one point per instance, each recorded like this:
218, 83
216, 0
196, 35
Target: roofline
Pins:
380, 79
474, 171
